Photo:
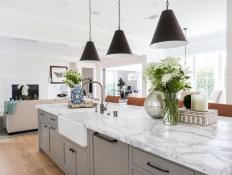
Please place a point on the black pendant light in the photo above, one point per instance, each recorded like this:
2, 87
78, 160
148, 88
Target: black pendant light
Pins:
119, 44
168, 33
90, 51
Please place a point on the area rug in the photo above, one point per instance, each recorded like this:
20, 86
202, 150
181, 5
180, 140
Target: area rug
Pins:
4, 134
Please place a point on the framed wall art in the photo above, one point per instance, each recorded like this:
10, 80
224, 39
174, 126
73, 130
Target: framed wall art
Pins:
57, 74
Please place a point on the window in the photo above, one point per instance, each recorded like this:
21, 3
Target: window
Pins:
111, 82
132, 76
207, 71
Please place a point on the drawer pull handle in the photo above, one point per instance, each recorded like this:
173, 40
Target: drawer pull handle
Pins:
52, 119
71, 150
42, 114
45, 126
157, 168
105, 138
53, 128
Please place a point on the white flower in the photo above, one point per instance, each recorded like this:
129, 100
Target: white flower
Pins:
25, 90
166, 78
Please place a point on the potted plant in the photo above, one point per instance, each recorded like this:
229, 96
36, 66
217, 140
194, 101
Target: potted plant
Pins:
74, 79
121, 83
168, 77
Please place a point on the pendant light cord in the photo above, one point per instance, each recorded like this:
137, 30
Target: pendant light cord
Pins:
119, 14
185, 49
90, 20
167, 4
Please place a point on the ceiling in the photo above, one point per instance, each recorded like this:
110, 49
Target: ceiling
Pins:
133, 67
25, 45
139, 17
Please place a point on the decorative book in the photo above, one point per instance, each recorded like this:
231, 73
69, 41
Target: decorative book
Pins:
198, 118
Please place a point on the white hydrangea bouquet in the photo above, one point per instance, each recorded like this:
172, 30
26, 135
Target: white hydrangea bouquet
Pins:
168, 77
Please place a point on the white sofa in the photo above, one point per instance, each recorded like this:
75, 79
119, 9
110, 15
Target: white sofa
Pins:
25, 116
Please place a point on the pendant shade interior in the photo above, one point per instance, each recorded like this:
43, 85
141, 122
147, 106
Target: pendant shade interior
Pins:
119, 44
168, 33
90, 52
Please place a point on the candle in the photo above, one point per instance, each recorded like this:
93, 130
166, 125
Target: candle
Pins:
199, 103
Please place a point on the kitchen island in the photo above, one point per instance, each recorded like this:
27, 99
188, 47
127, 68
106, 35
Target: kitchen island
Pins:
141, 145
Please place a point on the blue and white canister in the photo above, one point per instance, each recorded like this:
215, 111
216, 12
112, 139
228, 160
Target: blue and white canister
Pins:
77, 95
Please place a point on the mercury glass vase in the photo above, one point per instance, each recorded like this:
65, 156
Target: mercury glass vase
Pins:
154, 105
171, 116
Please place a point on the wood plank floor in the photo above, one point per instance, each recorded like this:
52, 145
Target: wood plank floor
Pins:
20, 156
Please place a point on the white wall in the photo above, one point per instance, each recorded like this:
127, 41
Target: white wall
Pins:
19, 67
204, 43
229, 53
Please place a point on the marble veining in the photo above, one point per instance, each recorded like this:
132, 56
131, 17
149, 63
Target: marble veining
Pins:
62, 109
204, 149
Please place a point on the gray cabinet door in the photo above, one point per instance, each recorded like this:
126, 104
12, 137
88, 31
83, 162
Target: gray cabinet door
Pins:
81, 161
55, 146
69, 158
75, 159
44, 140
110, 157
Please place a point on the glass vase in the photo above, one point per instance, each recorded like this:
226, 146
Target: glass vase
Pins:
154, 104
171, 116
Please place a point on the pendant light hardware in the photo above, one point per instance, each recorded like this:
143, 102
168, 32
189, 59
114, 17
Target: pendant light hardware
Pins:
119, 44
119, 14
90, 20
167, 4
168, 33
185, 48
90, 51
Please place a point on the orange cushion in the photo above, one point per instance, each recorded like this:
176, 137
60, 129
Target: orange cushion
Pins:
112, 99
137, 101
223, 109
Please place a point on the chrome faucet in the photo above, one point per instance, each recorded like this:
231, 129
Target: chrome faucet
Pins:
103, 108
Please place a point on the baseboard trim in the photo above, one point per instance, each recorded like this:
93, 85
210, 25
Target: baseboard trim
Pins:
22, 132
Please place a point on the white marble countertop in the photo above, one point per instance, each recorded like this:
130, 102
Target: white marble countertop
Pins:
62, 109
204, 149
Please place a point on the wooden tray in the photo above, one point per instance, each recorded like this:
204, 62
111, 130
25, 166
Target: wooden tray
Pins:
82, 105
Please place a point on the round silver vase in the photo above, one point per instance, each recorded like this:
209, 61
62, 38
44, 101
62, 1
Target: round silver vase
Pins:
154, 105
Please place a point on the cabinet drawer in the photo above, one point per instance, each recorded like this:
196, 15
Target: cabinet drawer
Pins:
140, 172
42, 117
53, 121
47, 117
156, 165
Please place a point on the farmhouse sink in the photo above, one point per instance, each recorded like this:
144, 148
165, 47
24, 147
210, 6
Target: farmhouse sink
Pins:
72, 127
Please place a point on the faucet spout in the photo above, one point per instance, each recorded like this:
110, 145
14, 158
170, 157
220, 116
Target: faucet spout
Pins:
102, 106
